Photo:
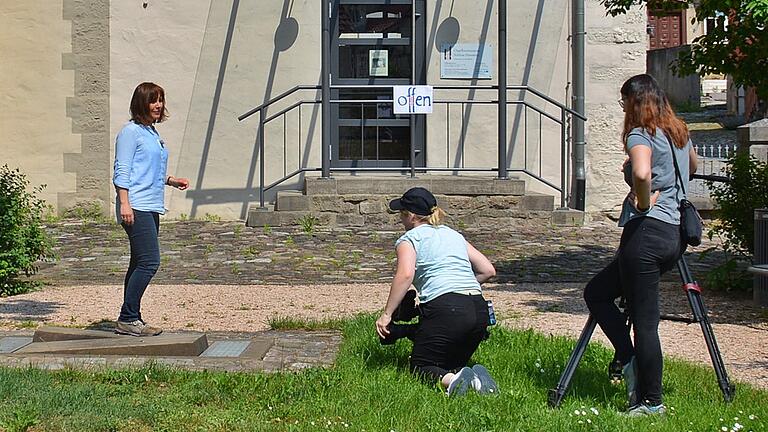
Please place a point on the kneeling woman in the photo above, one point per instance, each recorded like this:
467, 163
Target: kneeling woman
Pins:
447, 272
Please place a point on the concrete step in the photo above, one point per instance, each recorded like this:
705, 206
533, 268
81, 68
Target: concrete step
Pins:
445, 185
163, 345
54, 334
296, 209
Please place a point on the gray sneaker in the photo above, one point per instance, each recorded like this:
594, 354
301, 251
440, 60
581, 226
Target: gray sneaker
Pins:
483, 382
137, 328
642, 410
629, 371
461, 382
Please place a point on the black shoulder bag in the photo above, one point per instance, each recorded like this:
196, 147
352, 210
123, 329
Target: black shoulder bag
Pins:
690, 220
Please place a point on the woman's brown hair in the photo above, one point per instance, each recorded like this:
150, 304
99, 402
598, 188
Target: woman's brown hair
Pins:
646, 106
145, 94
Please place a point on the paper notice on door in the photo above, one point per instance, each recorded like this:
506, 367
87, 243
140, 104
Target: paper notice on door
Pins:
378, 63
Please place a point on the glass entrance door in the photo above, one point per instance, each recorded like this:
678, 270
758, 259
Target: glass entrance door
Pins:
371, 46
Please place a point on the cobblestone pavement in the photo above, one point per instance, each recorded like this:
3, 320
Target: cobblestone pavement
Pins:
197, 252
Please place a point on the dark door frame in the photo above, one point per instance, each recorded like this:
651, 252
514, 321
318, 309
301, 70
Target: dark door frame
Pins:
419, 45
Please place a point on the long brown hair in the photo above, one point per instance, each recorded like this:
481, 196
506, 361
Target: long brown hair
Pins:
646, 106
145, 94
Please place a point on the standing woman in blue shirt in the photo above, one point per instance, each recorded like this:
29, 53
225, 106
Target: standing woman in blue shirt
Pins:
447, 272
141, 160
650, 242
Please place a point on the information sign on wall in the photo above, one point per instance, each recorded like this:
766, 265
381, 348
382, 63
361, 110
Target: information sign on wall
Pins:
466, 61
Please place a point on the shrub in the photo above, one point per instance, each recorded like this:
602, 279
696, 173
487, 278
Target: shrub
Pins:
737, 199
23, 241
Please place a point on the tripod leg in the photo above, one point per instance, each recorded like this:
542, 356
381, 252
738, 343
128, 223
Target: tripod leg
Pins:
693, 291
556, 394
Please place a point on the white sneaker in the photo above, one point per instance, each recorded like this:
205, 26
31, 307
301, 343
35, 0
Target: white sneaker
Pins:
483, 383
460, 382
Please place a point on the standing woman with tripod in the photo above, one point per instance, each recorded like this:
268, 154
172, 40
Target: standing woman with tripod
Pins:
655, 140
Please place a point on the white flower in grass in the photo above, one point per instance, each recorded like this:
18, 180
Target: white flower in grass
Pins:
577, 412
589, 421
581, 422
594, 411
751, 416
738, 426
724, 429
542, 371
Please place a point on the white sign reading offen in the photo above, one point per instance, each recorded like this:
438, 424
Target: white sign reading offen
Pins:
412, 99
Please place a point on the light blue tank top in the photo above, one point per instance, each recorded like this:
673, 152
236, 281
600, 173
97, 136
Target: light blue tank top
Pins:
442, 261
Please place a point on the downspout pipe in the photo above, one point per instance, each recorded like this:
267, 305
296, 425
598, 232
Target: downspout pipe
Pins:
502, 139
325, 79
579, 145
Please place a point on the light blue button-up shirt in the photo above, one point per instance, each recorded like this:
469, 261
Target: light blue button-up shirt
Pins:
141, 162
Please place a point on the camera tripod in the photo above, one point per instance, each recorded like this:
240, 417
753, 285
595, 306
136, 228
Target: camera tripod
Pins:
693, 291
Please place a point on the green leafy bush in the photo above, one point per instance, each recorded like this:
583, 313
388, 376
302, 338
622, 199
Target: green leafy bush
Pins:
23, 241
736, 201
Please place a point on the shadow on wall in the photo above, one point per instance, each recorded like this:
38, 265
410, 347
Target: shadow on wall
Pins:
285, 37
447, 31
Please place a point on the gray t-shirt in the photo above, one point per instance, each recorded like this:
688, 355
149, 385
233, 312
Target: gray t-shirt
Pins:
663, 177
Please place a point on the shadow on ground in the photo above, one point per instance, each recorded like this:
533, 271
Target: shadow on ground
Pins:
27, 310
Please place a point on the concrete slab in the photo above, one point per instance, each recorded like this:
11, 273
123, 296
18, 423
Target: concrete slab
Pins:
54, 334
12, 343
227, 348
163, 345
258, 348
567, 217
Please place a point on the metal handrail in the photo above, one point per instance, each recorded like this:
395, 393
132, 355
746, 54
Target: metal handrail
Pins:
564, 111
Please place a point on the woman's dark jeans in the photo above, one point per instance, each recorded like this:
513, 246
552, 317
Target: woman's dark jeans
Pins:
449, 331
648, 248
145, 260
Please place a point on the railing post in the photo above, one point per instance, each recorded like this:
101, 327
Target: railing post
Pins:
326, 91
412, 117
502, 89
563, 159
261, 159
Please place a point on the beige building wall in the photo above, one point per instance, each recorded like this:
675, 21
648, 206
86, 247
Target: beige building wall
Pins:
33, 94
615, 52
218, 59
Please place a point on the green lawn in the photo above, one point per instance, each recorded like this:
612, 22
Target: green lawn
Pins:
369, 389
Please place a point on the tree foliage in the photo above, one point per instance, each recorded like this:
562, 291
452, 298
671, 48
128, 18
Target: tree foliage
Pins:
736, 45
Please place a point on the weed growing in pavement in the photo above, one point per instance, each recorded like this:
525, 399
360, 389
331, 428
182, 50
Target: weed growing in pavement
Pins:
308, 223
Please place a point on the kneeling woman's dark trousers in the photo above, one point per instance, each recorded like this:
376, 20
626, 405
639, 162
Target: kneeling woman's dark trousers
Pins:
450, 329
145, 260
648, 248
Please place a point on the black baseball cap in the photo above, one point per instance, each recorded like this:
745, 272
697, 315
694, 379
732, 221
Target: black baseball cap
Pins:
416, 200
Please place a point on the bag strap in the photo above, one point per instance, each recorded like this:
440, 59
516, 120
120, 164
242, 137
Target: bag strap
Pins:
677, 168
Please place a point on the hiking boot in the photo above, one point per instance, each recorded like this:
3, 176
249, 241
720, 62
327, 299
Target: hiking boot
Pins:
629, 372
644, 409
136, 328
461, 382
483, 383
